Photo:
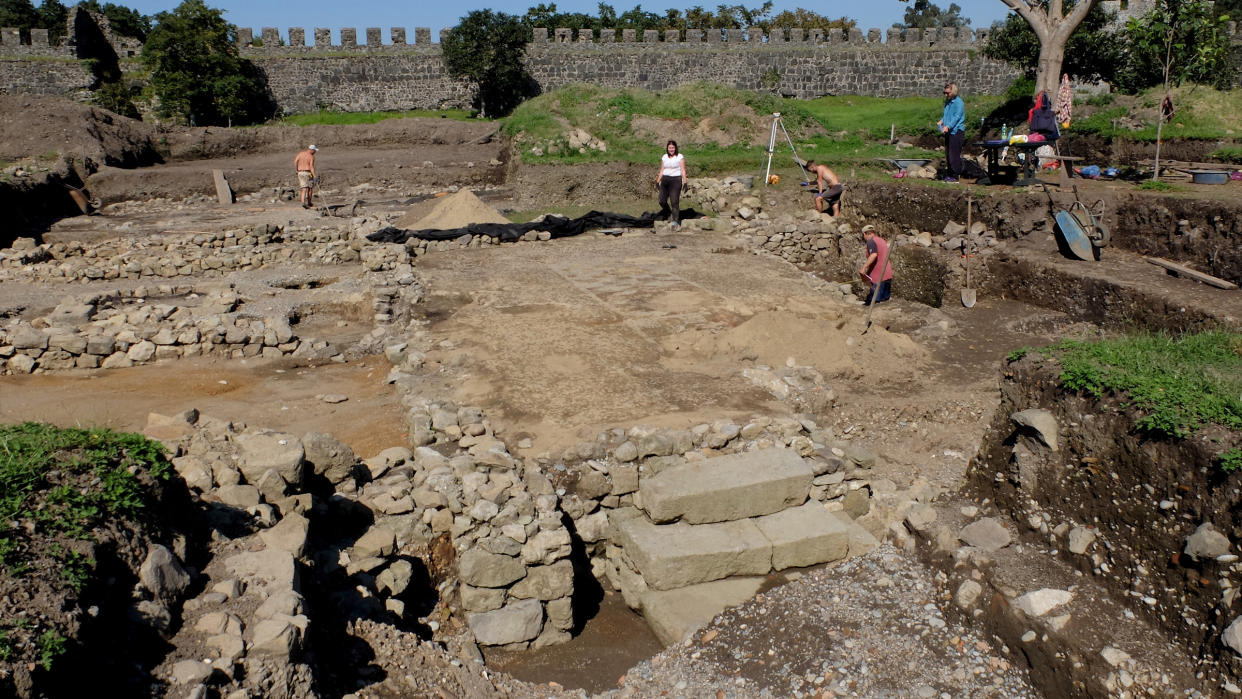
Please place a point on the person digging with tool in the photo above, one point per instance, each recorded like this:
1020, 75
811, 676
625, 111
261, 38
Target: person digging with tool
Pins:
304, 163
876, 266
670, 181
829, 188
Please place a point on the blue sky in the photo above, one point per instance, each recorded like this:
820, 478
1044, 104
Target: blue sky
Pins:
361, 14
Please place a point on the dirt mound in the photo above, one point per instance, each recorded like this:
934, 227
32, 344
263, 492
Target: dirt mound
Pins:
47, 128
219, 142
446, 213
809, 336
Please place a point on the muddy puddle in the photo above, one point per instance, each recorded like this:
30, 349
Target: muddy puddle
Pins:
612, 642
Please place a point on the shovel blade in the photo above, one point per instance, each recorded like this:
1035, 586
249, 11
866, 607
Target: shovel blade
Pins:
968, 298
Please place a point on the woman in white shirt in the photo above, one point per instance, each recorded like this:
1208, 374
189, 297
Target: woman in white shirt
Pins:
669, 181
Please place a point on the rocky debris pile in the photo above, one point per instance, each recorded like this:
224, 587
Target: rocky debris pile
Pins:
577, 141
955, 238
178, 254
121, 329
1083, 492
874, 626
273, 513
1068, 627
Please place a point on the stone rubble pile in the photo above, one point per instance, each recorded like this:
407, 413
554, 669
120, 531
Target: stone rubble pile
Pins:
278, 504
178, 254
122, 329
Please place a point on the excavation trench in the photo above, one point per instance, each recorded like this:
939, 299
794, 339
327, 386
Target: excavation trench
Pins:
563, 344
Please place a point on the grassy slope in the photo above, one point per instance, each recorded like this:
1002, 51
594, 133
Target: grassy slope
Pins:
56, 487
1202, 113
1176, 385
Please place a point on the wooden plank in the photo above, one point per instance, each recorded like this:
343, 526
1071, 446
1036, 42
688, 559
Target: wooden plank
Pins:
224, 193
1197, 276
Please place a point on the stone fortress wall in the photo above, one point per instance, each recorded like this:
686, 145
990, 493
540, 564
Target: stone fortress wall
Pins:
359, 72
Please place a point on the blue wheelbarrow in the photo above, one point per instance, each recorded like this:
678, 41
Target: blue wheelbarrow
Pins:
1081, 231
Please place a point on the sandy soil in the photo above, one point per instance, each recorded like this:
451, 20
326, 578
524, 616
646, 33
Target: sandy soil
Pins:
268, 393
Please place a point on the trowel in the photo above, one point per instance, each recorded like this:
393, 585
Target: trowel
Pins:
968, 294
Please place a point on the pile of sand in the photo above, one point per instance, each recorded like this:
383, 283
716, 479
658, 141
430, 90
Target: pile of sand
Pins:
446, 213
828, 340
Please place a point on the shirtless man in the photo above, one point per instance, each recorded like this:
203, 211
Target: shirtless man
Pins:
829, 191
304, 163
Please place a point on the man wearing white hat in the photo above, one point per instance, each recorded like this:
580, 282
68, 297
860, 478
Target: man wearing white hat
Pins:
304, 163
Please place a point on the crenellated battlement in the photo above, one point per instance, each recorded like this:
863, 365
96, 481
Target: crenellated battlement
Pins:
11, 45
295, 39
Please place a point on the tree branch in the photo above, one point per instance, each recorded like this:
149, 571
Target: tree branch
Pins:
1033, 16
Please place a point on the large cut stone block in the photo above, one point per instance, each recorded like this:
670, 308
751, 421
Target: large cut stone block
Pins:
804, 536
518, 622
675, 614
726, 488
676, 555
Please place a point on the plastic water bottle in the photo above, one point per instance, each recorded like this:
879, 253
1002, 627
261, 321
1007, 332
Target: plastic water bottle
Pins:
1004, 132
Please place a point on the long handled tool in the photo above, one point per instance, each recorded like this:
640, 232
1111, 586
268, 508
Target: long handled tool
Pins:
968, 294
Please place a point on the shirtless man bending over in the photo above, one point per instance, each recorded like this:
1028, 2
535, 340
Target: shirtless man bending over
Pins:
829, 191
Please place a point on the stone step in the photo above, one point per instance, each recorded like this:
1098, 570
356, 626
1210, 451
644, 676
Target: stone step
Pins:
727, 488
671, 556
675, 614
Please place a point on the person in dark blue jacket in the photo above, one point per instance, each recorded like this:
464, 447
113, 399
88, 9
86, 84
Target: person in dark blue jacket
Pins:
953, 126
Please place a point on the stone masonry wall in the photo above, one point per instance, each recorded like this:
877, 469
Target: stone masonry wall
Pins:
355, 75
60, 77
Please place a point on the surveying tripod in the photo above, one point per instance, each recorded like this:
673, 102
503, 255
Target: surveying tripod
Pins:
778, 124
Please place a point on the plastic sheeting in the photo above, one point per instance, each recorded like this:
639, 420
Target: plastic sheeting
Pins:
558, 226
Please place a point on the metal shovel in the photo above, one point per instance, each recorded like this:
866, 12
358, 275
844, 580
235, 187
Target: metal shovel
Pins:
968, 294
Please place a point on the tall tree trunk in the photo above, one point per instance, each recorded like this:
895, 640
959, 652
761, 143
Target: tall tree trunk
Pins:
1048, 73
1053, 30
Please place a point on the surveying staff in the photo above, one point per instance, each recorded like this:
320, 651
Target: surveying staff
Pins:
670, 180
953, 125
304, 163
876, 266
829, 188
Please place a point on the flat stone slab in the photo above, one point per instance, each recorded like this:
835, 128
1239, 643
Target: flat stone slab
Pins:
804, 536
676, 614
727, 488
670, 556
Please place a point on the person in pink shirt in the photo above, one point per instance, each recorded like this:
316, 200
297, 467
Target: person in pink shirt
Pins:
877, 270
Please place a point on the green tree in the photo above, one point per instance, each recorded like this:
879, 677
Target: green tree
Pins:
52, 17
924, 14
1093, 51
1177, 41
124, 20
196, 71
20, 14
1053, 23
487, 48
807, 19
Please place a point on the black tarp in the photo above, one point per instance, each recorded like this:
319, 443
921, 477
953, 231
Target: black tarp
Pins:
558, 226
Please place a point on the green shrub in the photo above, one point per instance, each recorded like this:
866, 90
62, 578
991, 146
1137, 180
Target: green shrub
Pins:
1231, 460
51, 646
68, 480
